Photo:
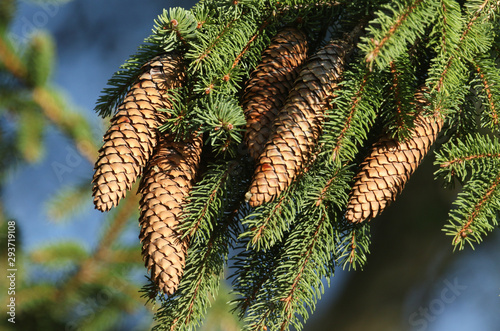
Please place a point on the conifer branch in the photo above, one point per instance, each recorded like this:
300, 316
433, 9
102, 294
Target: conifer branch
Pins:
291, 295
396, 91
353, 246
10, 60
402, 17
201, 57
356, 99
460, 49
258, 231
461, 160
314, 4
202, 275
248, 45
268, 224
406, 24
465, 230
52, 108
286, 247
353, 113
87, 269
400, 116
468, 157
489, 85
207, 193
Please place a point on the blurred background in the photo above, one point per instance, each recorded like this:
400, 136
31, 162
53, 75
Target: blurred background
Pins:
79, 269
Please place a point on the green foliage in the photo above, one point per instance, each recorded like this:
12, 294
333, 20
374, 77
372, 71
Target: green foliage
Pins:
397, 25
266, 225
487, 83
39, 57
353, 246
7, 9
30, 134
401, 114
449, 73
467, 157
476, 161
223, 121
67, 202
211, 225
294, 283
354, 112
64, 284
60, 254
285, 251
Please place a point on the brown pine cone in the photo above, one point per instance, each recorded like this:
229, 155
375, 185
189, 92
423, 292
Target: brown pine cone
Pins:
167, 180
298, 125
390, 164
132, 135
269, 84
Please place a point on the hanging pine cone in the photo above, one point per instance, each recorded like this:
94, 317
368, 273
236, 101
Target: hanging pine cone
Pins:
269, 84
167, 180
390, 164
132, 135
298, 125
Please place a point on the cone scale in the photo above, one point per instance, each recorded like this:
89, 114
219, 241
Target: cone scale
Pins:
387, 169
132, 135
166, 183
269, 84
298, 125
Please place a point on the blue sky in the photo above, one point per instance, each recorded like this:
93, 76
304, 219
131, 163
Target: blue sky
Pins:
93, 40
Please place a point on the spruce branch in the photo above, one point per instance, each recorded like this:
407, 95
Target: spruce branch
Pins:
268, 223
400, 116
475, 160
488, 85
209, 199
30, 134
171, 29
353, 112
303, 258
56, 111
287, 247
449, 71
48, 99
467, 157
207, 257
223, 121
252, 269
67, 201
390, 33
10, 60
87, 268
353, 246
449, 25
476, 211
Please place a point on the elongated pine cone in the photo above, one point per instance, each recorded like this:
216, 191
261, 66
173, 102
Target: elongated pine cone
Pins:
269, 84
132, 135
298, 125
167, 180
390, 164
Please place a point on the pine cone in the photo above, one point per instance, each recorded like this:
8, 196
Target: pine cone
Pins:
390, 164
298, 125
269, 85
167, 181
132, 135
